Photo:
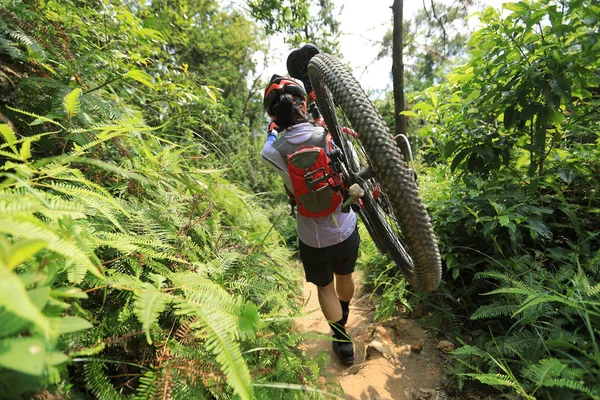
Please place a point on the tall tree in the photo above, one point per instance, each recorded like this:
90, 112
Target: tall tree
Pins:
398, 67
309, 21
435, 39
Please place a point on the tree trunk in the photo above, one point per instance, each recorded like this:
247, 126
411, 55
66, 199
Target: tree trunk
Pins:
398, 66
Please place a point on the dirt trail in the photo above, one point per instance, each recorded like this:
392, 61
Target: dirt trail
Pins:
396, 371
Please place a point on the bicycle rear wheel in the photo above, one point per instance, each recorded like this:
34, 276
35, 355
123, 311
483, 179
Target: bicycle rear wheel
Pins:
393, 212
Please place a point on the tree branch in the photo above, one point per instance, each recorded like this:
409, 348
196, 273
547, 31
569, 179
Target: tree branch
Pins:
444, 34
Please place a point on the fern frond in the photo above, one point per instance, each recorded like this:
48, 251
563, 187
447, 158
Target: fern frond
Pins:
211, 297
12, 156
124, 281
509, 290
35, 229
548, 367
30, 114
147, 388
149, 303
98, 383
122, 126
113, 168
52, 208
594, 290
217, 315
498, 308
502, 277
494, 379
8, 47
75, 175
9, 137
468, 350
130, 242
571, 384
537, 299
38, 83
71, 103
81, 150
220, 341
520, 342
28, 41
89, 196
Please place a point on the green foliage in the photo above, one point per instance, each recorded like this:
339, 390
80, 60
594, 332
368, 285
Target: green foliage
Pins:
302, 21
434, 41
506, 146
131, 267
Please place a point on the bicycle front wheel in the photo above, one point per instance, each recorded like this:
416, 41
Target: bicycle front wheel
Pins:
392, 209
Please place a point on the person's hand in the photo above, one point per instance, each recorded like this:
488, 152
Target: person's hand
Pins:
273, 127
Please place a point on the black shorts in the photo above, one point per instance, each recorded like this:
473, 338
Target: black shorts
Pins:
320, 263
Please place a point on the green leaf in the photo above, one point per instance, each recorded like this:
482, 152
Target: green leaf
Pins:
449, 149
149, 304
39, 296
141, 77
62, 325
494, 379
561, 87
9, 136
519, 7
509, 116
20, 252
249, 321
504, 220
23, 354
566, 175
538, 227
56, 358
71, 103
69, 292
459, 158
434, 98
25, 152
11, 324
410, 114
211, 94
14, 298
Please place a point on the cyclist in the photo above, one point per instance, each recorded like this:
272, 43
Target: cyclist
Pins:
328, 244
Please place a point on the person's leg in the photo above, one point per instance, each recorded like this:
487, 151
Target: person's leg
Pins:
329, 302
318, 267
344, 260
332, 310
344, 287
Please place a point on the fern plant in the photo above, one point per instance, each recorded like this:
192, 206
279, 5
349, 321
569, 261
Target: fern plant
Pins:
552, 342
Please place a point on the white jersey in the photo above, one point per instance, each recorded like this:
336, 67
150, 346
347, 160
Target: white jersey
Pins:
314, 232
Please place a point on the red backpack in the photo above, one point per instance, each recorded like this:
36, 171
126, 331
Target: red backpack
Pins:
316, 185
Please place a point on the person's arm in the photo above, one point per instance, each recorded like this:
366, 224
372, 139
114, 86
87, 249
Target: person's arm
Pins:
272, 132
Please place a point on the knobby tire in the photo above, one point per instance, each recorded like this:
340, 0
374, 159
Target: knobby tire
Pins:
334, 84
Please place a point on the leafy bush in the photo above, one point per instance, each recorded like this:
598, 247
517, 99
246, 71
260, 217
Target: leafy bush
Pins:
514, 199
130, 267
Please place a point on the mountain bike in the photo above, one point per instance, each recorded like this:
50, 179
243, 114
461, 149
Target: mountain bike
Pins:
390, 207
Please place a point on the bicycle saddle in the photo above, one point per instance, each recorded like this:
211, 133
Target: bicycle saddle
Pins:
297, 63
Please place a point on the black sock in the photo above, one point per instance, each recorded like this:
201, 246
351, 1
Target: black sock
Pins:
345, 311
339, 332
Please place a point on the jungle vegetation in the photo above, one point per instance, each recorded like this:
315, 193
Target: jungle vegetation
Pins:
145, 251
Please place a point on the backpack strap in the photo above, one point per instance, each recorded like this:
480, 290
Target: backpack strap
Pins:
285, 147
